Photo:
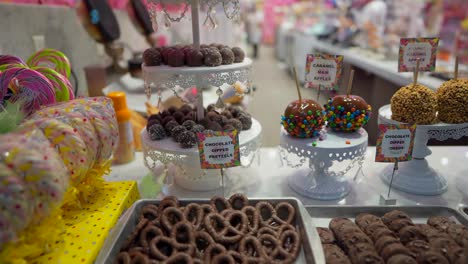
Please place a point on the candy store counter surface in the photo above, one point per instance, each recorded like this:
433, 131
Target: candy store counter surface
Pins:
268, 178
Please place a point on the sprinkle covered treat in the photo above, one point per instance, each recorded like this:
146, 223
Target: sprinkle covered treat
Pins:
303, 118
347, 113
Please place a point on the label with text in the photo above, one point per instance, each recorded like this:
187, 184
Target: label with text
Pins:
412, 49
218, 149
395, 143
323, 71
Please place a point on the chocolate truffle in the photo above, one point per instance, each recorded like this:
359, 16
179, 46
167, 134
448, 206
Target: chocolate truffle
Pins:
227, 114
227, 56
152, 122
194, 58
236, 124
401, 259
172, 109
156, 116
214, 126
224, 121
156, 132
197, 128
440, 223
418, 246
393, 215
178, 116
205, 122
176, 131
165, 54
187, 139
415, 104
213, 58
228, 128
176, 58
303, 118
431, 257
452, 99
239, 54
326, 235
170, 125
234, 111
167, 119
152, 57
347, 113
410, 233
189, 124
186, 109
245, 120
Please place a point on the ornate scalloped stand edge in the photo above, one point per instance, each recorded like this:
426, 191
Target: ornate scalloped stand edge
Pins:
317, 181
417, 176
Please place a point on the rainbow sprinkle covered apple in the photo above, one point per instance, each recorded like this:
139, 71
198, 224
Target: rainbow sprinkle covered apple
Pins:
347, 113
303, 118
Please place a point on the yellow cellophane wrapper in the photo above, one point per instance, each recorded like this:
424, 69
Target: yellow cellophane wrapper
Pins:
74, 235
34, 240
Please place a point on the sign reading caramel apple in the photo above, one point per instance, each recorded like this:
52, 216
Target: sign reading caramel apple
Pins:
395, 143
218, 149
414, 49
323, 71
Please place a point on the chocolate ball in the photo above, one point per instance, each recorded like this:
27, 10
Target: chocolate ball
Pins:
215, 117
169, 126
187, 139
176, 131
165, 54
197, 128
167, 119
156, 116
227, 56
178, 116
156, 132
152, 122
347, 113
236, 124
172, 109
239, 54
214, 126
205, 122
213, 58
152, 57
415, 104
188, 124
176, 58
195, 58
302, 118
186, 109
246, 121
228, 128
227, 114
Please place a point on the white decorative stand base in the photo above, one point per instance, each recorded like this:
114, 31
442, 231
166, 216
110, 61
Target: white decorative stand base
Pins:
416, 176
183, 165
317, 181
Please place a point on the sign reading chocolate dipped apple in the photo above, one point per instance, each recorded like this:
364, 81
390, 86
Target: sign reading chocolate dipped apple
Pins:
395, 143
218, 149
414, 49
323, 71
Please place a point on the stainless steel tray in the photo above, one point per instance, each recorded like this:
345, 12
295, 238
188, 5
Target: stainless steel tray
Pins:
126, 224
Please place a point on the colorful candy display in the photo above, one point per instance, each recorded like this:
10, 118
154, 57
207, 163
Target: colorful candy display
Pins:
345, 113
62, 86
303, 118
51, 58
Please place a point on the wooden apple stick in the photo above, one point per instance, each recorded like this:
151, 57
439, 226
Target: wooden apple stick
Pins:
415, 73
455, 71
350, 83
297, 85
318, 93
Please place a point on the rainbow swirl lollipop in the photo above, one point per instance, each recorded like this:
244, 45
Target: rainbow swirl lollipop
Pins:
10, 60
61, 84
27, 85
51, 58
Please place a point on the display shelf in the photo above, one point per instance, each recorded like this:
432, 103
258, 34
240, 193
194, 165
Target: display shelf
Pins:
417, 176
87, 228
318, 181
189, 175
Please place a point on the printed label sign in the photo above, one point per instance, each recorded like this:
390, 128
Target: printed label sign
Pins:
395, 143
413, 48
323, 71
218, 149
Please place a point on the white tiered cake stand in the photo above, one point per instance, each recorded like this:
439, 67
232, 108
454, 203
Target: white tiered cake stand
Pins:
318, 181
417, 176
188, 173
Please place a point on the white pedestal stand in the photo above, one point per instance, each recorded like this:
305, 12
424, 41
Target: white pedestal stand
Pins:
416, 176
318, 181
186, 162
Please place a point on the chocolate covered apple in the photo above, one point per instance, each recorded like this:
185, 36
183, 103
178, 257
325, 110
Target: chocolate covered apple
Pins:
303, 118
347, 113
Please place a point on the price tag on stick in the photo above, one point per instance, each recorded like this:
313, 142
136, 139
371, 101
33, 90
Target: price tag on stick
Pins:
323, 71
219, 150
394, 144
412, 49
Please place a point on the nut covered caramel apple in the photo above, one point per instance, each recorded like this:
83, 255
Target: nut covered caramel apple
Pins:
414, 104
347, 113
452, 98
303, 118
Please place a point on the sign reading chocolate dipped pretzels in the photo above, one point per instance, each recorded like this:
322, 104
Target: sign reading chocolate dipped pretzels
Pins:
395, 143
218, 149
412, 49
323, 71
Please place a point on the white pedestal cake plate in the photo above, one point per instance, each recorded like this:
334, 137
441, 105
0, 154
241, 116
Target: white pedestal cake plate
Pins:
318, 181
417, 176
188, 173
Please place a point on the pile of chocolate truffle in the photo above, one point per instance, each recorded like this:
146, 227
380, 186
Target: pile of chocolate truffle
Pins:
208, 55
181, 123
394, 238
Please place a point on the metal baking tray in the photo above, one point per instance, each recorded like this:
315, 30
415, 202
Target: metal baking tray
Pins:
126, 224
